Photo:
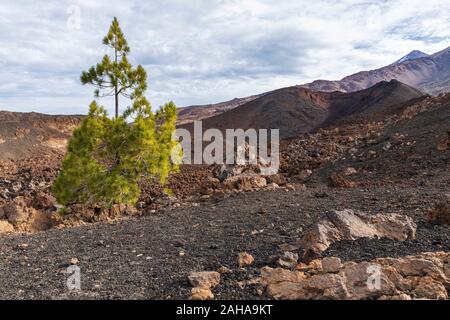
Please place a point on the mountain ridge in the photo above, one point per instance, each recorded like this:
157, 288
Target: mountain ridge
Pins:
296, 110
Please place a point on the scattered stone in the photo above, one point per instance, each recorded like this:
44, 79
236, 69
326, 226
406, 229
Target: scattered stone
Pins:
304, 175
199, 293
224, 269
444, 143
244, 183
387, 146
349, 171
272, 186
248, 183
278, 179
207, 187
337, 181
244, 259
288, 260
261, 211
314, 266
289, 187
204, 279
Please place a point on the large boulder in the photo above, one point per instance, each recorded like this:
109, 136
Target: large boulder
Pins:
351, 225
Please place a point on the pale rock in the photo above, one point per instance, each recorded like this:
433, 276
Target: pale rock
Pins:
289, 285
331, 264
277, 275
401, 296
428, 288
367, 280
224, 269
350, 225
320, 236
248, 183
288, 260
272, 186
244, 182
199, 293
420, 277
6, 227
244, 259
313, 267
204, 279
412, 266
349, 171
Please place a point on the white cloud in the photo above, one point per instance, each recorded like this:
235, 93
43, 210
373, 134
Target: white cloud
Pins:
206, 50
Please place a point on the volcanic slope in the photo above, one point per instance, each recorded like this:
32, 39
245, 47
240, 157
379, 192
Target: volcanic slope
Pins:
296, 110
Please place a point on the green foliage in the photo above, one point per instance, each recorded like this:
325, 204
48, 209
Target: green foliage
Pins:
108, 157
116, 76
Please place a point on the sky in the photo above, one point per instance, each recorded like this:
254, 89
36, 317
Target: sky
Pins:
205, 51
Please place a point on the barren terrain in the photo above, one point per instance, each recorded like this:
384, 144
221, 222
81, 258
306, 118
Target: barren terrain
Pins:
398, 165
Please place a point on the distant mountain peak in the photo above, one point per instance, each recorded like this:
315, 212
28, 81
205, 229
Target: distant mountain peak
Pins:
415, 54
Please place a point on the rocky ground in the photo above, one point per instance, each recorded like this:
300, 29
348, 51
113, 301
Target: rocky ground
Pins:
151, 257
266, 236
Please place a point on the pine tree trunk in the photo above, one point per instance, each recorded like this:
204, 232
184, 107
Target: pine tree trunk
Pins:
116, 93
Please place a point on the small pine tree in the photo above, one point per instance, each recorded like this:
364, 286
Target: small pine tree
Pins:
107, 158
115, 76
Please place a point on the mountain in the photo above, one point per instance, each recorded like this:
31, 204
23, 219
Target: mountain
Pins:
199, 112
415, 54
26, 135
430, 73
297, 110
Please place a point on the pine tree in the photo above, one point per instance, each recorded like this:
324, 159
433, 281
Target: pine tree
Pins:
107, 158
115, 76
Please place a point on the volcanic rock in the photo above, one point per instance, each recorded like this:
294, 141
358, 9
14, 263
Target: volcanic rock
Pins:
244, 259
288, 260
199, 293
204, 279
350, 225
5, 227
383, 278
331, 264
